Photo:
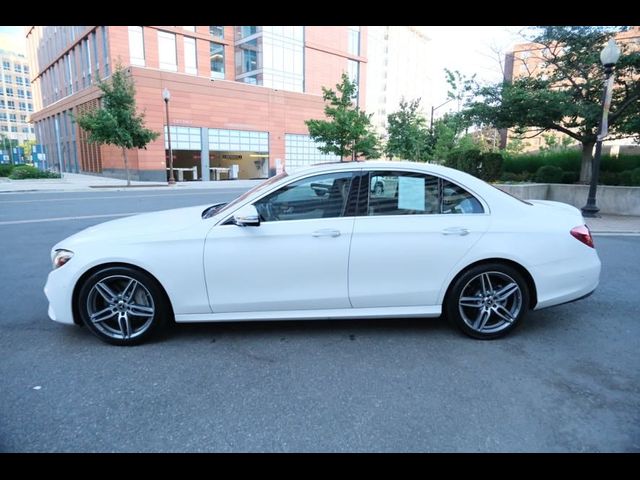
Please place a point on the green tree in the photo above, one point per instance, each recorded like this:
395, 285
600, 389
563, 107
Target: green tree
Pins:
565, 94
116, 122
408, 134
349, 131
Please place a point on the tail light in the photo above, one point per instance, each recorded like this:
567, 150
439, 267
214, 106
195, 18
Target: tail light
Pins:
583, 234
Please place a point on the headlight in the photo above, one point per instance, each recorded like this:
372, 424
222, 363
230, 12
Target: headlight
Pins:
60, 257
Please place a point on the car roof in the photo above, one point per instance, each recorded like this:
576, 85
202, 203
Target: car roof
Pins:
373, 164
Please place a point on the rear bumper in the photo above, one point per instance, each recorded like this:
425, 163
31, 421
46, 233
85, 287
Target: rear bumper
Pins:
567, 281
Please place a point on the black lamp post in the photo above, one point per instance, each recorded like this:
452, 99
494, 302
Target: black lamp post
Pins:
609, 56
166, 95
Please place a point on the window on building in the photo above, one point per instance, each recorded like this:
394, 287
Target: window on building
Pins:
28, 94
1, 91
20, 93
216, 56
105, 50
354, 40
6, 65
14, 129
25, 129
136, 46
217, 31
27, 82
22, 106
17, 68
94, 42
9, 92
23, 118
12, 118
167, 51
19, 81
191, 29
25, 69
353, 68
8, 79
4, 128
190, 56
246, 31
3, 116
30, 107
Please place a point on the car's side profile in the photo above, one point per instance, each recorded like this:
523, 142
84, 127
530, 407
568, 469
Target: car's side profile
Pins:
326, 243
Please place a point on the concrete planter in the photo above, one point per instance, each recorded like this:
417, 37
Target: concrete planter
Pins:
609, 199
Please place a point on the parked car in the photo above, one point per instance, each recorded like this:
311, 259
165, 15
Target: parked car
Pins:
321, 244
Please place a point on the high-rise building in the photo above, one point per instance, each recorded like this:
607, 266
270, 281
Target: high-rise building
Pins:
239, 95
398, 66
16, 102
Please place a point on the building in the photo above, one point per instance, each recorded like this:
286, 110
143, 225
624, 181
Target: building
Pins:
528, 59
16, 102
239, 95
397, 67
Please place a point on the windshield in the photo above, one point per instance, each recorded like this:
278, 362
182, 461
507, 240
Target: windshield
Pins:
257, 188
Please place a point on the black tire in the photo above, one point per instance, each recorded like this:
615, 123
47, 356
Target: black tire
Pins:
126, 319
488, 309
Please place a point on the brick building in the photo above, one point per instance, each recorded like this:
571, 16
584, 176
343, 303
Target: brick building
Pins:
239, 94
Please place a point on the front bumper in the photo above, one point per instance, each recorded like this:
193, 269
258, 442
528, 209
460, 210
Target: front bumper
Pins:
59, 292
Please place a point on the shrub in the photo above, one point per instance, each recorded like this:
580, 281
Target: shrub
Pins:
484, 165
609, 178
619, 164
22, 172
635, 177
5, 170
549, 174
570, 177
625, 178
510, 177
491, 168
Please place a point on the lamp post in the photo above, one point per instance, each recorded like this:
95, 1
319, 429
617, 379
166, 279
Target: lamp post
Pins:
166, 96
433, 109
609, 56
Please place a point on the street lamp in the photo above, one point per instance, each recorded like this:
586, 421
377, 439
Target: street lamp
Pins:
609, 56
433, 109
166, 96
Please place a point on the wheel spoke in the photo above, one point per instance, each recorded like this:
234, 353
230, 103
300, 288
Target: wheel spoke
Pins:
506, 291
130, 289
474, 302
102, 315
486, 283
481, 319
503, 313
141, 310
125, 325
105, 292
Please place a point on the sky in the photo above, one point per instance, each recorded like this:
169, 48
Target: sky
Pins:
470, 50
467, 49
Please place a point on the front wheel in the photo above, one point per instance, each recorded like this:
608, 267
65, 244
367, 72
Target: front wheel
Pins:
122, 305
488, 301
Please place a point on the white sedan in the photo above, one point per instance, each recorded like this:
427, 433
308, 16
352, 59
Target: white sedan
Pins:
324, 243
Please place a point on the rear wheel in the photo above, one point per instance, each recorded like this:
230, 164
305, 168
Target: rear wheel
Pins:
122, 305
488, 301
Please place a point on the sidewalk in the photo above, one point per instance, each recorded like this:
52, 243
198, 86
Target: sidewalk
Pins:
75, 182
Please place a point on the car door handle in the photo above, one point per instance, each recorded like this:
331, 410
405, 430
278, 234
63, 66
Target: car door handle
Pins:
455, 231
326, 232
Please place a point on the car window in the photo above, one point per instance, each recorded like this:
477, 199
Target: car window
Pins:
319, 196
456, 199
402, 193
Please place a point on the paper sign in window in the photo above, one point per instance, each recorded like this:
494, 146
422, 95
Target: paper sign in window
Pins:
411, 193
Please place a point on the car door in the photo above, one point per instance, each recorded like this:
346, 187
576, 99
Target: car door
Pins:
296, 259
408, 236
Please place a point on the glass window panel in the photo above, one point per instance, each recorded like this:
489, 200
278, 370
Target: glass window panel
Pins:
136, 46
167, 51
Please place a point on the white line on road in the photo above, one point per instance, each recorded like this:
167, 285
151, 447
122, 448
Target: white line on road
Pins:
62, 219
116, 197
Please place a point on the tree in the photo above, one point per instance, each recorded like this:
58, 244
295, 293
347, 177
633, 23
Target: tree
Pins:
565, 94
408, 133
349, 131
116, 122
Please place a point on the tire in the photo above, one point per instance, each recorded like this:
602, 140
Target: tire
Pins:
488, 301
122, 305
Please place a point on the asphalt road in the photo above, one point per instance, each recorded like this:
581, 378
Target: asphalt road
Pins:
567, 381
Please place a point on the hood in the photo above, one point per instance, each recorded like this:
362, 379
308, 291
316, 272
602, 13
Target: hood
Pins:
147, 224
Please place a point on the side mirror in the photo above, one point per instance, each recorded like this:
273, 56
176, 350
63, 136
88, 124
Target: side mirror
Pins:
247, 216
